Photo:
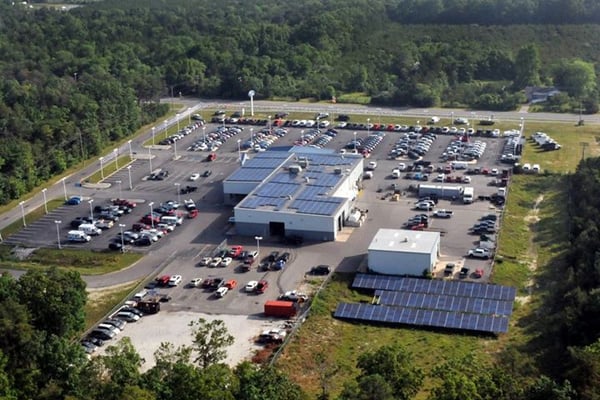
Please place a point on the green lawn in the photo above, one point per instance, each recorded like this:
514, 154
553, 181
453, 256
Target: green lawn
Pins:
100, 303
109, 168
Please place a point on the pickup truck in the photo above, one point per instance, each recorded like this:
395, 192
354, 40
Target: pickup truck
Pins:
479, 253
443, 213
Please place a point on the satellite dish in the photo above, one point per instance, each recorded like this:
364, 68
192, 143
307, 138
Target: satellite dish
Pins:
251, 93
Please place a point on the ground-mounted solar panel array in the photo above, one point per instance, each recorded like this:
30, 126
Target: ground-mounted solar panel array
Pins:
432, 303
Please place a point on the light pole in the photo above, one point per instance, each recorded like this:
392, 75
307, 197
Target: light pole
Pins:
522, 125
90, 201
239, 150
45, 200
130, 150
23, 212
129, 173
175, 150
368, 126
121, 226
102, 167
57, 222
269, 117
354, 141
252, 136
116, 151
150, 159
258, 239
177, 185
151, 213
452, 118
177, 116
301, 137
120, 191
64, 187
204, 134
166, 122
189, 111
153, 129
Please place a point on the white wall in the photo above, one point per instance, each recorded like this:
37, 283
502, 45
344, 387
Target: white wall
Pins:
239, 187
397, 263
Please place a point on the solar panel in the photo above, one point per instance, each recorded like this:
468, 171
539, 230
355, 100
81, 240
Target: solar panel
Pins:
316, 206
255, 202
250, 175
264, 162
434, 318
285, 177
444, 302
433, 286
312, 192
270, 189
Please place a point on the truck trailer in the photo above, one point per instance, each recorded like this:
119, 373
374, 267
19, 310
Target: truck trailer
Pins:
441, 191
279, 308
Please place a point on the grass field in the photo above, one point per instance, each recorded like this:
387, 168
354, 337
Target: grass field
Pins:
100, 303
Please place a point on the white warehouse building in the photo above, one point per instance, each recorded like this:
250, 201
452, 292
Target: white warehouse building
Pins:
403, 252
306, 192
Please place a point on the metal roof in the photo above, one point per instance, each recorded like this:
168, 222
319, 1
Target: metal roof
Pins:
405, 241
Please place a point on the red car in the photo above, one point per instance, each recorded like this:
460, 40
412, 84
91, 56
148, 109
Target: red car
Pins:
236, 251
211, 157
193, 213
262, 286
163, 280
478, 273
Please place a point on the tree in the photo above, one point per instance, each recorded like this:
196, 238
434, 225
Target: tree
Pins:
55, 300
527, 67
210, 340
545, 388
257, 383
577, 77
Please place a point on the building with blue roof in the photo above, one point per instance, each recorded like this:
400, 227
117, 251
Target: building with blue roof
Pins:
299, 191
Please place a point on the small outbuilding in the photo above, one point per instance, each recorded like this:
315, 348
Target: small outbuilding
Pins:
403, 252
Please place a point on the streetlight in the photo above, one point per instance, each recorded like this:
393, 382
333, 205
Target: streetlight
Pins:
57, 222
301, 137
120, 191
153, 129
64, 187
45, 201
368, 126
23, 212
189, 111
452, 118
129, 172
175, 150
150, 159
151, 214
239, 149
101, 167
269, 117
204, 134
166, 122
90, 201
258, 239
116, 151
177, 116
130, 151
522, 125
354, 142
252, 136
121, 226
177, 185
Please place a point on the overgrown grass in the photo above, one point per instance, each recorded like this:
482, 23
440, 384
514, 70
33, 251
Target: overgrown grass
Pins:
100, 303
354, 98
86, 262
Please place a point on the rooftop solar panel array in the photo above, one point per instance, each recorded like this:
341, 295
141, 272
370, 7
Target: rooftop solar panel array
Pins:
323, 179
271, 189
250, 174
414, 316
445, 303
285, 177
316, 206
264, 162
255, 202
445, 287
312, 192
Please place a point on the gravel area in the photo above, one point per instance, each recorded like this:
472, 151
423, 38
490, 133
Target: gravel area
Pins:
149, 332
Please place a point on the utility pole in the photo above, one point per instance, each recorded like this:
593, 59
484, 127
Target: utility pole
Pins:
583, 146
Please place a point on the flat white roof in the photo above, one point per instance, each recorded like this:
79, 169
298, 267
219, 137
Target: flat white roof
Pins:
405, 241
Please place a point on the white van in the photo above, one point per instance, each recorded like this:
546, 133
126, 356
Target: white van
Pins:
434, 120
171, 219
139, 296
78, 236
526, 167
90, 229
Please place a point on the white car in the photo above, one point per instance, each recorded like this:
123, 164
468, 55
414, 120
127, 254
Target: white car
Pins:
205, 260
196, 282
194, 177
251, 286
226, 261
165, 227
175, 280
222, 291
215, 262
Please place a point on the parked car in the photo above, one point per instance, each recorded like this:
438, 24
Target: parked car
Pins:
262, 286
194, 177
175, 280
320, 270
251, 286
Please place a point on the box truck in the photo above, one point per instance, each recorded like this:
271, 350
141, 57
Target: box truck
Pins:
279, 308
441, 191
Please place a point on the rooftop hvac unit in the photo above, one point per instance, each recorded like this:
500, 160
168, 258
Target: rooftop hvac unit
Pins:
303, 162
337, 171
294, 169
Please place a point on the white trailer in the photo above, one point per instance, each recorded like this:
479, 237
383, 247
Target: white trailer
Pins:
441, 191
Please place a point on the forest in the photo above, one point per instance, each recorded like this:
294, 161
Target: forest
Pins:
75, 81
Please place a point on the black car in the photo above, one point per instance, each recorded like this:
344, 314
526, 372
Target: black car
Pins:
132, 310
285, 257
116, 245
77, 221
207, 173
273, 256
101, 334
464, 272
343, 117
143, 241
320, 270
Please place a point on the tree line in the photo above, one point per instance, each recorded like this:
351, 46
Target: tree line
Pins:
73, 82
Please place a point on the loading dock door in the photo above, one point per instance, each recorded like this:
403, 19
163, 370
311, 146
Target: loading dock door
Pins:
276, 228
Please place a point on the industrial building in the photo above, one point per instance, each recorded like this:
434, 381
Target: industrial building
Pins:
298, 191
403, 252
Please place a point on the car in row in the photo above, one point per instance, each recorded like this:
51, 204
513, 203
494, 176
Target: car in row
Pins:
263, 139
110, 328
182, 133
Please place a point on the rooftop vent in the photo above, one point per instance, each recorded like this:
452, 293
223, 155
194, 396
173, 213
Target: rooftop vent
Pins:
337, 171
295, 169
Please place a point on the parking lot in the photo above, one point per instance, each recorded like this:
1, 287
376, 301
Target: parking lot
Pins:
179, 252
